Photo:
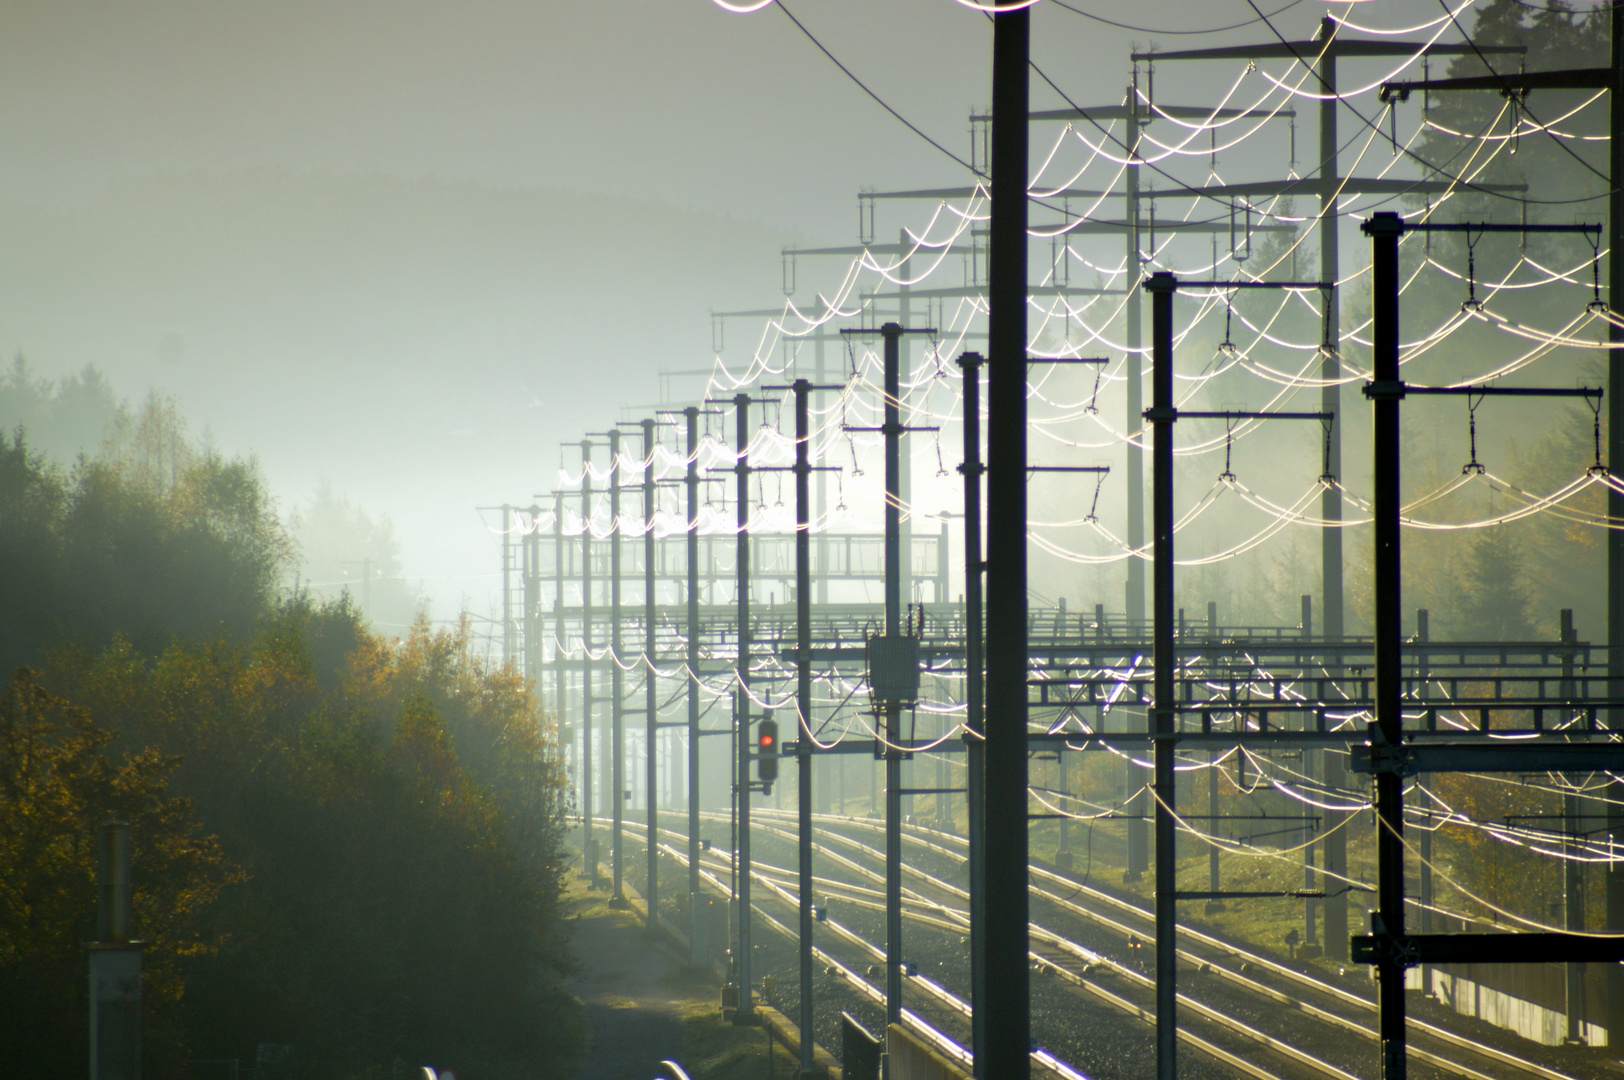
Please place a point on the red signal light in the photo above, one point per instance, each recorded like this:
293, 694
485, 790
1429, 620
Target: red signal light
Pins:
767, 751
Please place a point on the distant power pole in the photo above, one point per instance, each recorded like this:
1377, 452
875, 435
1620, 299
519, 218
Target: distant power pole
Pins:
743, 783
530, 568
507, 584
651, 716
691, 595
803, 470
741, 410
115, 966
560, 675
889, 701
617, 734
589, 847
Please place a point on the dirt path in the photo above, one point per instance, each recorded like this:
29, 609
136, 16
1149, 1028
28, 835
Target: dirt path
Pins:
644, 1004
638, 995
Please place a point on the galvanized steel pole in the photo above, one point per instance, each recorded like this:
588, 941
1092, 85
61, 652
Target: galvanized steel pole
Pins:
617, 677
691, 480
1384, 230
1008, 1032
1162, 287
744, 1011
1133, 369
1334, 774
803, 698
891, 427
587, 847
1615, 498
560, 672
974, 721
651, 728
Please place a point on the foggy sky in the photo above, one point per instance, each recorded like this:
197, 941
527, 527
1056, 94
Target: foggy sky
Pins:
410, 247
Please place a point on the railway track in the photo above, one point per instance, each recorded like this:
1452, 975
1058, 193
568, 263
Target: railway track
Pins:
850, 957
857, 955
1213, 1031
1317, 1024
1259, 1017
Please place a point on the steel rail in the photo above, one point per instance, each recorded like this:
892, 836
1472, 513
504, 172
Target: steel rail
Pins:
1212, 1015
927, 838
945, 997
910, 1018
1142, 981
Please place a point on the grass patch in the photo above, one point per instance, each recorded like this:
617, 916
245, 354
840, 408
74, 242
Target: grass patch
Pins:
1259, 924
716, 1050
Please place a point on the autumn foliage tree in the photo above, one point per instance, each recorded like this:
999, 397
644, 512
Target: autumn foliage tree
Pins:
57, 785
344, 844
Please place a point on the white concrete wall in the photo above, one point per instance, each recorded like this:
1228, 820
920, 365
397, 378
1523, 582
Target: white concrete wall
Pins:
1527, 1019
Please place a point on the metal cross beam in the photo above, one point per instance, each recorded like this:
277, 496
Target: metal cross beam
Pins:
1525, 756
1519, 83
1409, 950
1328, 42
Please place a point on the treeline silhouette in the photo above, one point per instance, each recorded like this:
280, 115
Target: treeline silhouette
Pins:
347, 849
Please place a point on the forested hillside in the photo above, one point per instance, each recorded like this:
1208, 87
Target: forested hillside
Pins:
344, 845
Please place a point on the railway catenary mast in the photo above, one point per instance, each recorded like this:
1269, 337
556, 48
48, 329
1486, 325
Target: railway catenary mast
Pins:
507, 584
1005, 860
559, 671
1320, 55
617, 678
744, 1009
1611, 79
691, 595
532, 598
1164, 714
974, 722
805, 741
803, 706
893, 667
589, 846
651, 714
1391, 755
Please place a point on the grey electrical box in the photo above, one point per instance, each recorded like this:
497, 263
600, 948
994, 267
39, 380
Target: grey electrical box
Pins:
893, 669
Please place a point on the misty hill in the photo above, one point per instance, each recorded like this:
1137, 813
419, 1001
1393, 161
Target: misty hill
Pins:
185, 278
423, 344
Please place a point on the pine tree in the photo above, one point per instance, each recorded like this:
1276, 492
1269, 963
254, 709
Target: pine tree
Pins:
1495, 597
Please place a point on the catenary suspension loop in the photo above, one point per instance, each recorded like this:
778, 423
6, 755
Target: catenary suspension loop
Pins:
1599, 469
1093, 517
1327, 477
1471, 304
1472, 467
1227, 476
1597, 305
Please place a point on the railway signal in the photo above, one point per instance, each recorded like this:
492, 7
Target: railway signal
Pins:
767, 754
